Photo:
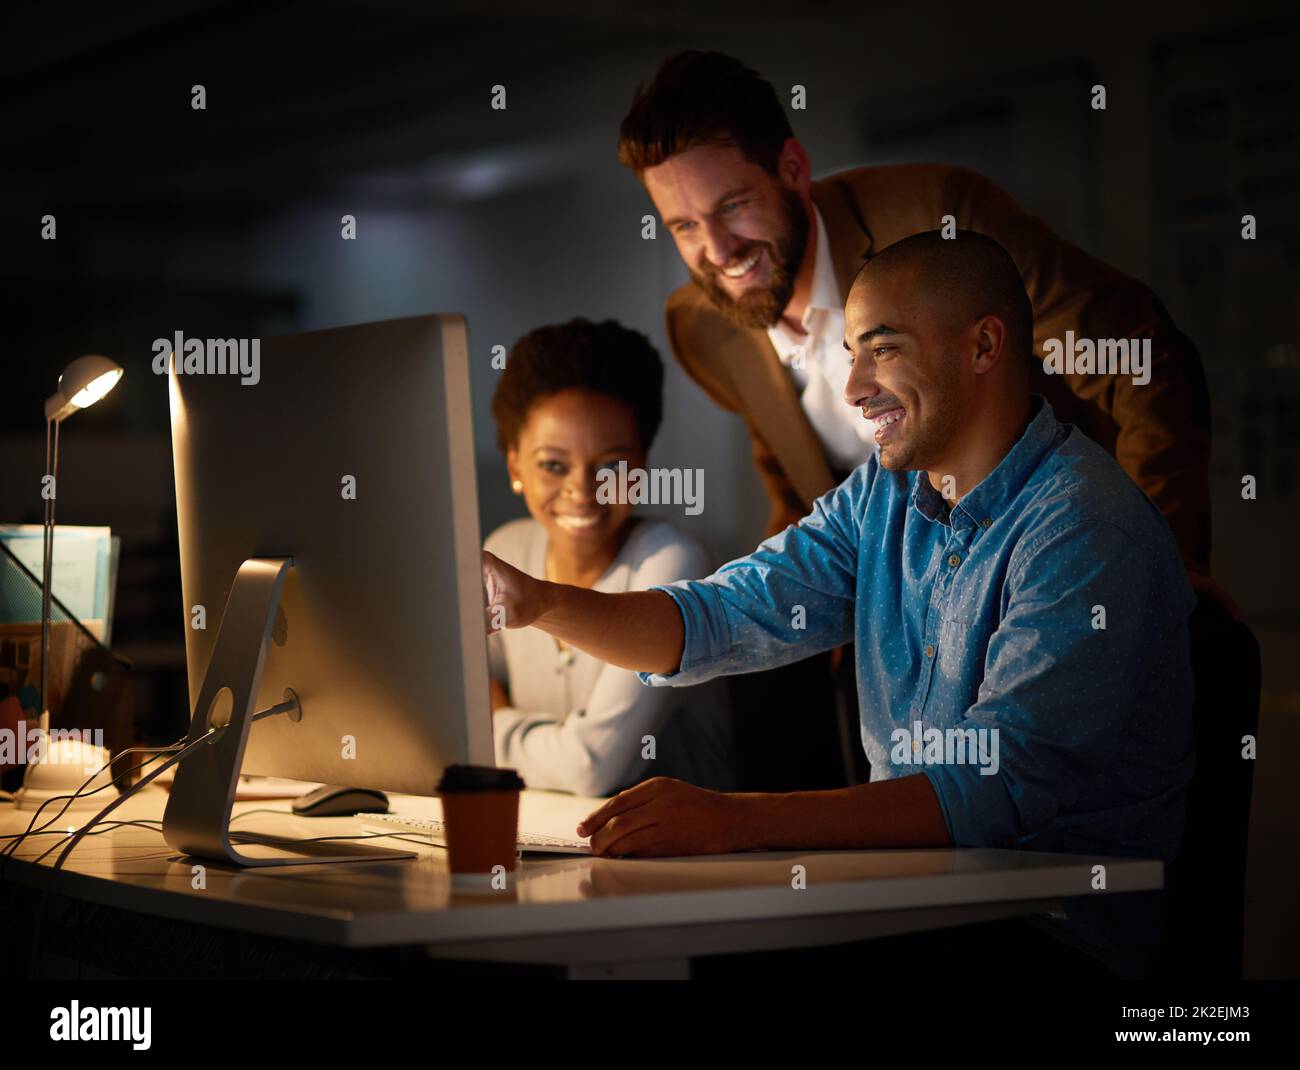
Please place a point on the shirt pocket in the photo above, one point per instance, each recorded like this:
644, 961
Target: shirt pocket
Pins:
957, 635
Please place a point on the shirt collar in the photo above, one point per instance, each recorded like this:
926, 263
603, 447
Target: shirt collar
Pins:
825, 296
824, 299
981, 506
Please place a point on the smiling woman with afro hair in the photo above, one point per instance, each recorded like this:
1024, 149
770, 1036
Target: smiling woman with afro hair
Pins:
577, 399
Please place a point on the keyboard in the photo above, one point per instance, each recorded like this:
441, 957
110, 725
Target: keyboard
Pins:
396, 824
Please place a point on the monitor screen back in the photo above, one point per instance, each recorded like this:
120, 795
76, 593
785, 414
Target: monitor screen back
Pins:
352, 454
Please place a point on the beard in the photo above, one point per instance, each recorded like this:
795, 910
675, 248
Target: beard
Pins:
762, 306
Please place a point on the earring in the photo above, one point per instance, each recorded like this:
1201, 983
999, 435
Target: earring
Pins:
517, 486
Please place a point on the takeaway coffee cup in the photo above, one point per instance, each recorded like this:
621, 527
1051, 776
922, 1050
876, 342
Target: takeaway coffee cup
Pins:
480, 813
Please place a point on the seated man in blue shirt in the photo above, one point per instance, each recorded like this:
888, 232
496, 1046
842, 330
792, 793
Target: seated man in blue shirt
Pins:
1017, 604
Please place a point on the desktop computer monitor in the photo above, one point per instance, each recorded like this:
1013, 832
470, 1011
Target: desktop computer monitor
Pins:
330, 555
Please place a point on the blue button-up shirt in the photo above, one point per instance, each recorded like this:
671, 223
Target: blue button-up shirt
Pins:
1025, 649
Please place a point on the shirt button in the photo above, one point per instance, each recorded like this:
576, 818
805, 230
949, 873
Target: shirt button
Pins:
929, 650
954, 560
916, 744
986, 521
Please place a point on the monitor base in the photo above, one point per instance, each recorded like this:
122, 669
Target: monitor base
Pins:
197, 818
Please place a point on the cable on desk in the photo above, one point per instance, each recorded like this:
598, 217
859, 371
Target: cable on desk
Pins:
81, 792
262, 838
107, 826
263, 810
405, 837
144, 781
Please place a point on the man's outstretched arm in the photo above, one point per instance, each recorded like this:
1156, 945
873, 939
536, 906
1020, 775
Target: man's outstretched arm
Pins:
638, 630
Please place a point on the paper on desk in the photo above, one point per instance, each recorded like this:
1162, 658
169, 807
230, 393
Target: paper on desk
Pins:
256, 787
269, 787
542, 813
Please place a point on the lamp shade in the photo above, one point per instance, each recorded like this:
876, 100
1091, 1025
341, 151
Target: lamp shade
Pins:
83, 382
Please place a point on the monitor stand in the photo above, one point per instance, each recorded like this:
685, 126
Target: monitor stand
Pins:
197, 818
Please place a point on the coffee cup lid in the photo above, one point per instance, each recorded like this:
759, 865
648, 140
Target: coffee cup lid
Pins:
479, 778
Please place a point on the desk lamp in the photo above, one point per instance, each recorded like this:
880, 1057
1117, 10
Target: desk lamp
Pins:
83, 382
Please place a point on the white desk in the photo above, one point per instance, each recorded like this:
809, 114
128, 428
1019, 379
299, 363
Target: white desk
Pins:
597, 917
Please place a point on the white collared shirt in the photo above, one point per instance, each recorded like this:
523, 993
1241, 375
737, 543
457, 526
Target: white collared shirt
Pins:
579, 725
821, 375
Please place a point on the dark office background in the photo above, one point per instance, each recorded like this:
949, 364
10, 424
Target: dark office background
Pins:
226, 222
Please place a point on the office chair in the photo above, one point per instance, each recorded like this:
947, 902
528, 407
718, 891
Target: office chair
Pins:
1206, 882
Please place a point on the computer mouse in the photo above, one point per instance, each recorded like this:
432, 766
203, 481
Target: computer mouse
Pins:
331, 800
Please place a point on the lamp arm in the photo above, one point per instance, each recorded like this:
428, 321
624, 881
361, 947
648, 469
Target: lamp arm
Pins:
51, 469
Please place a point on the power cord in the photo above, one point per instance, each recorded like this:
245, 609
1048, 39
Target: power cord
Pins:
76, 837
81, 792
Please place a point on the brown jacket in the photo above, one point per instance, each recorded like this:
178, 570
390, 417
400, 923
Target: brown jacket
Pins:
1159, 432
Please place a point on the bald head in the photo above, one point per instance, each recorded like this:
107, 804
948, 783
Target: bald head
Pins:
939, 334
961, 280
